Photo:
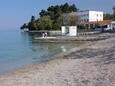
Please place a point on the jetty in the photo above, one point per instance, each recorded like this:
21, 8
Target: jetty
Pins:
70, 39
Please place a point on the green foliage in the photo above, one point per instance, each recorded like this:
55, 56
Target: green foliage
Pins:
73, 8
43, 13
81, 26
97, 24
108, 17
114, 13
113, 9
57, 24
65, 8
51, 18
24, 26
32, 25
45, 23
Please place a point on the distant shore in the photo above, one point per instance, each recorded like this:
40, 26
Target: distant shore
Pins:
91, 64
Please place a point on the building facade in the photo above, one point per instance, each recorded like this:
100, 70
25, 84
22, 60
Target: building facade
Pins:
87, 19
90, 16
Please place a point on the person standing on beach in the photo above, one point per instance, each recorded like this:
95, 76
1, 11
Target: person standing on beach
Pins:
46, 34
43, 34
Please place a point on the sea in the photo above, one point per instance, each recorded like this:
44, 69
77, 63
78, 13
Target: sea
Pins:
17, 50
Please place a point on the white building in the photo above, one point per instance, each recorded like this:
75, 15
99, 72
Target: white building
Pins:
69, 30
89, 16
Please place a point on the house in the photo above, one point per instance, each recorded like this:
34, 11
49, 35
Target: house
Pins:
104, 25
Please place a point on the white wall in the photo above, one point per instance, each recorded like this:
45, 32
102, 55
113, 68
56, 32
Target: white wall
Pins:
63, 29
113, 24
95, 16
72, 30
90, 15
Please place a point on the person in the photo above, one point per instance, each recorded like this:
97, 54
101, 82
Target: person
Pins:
46, 34
43, 34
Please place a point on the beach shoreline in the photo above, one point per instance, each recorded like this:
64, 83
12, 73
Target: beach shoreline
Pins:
90, 64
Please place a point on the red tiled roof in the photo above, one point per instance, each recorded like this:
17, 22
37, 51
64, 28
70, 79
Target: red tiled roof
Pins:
88, 22
105, 22
102, 23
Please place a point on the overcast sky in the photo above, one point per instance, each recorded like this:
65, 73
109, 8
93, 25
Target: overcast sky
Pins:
13, 13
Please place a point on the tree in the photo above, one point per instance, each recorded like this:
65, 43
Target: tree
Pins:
32, 25
70, 19
108, 16
58, 12
43, 13
24, 26
73, 8
54, 12
113, 9
97, 24
57, 24
81, 26
65, 8
45, 23
113, 12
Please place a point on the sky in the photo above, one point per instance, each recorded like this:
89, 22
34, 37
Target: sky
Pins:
13, 13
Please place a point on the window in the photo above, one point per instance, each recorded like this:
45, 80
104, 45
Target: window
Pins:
87, 20
97, 15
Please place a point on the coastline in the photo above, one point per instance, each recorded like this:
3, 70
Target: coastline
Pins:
70, 68
57, 56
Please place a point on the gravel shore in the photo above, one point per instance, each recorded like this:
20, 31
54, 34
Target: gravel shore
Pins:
89, 65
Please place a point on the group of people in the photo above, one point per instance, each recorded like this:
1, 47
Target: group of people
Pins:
44, 34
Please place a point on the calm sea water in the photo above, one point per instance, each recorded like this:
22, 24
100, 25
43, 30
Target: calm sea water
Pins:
17, 50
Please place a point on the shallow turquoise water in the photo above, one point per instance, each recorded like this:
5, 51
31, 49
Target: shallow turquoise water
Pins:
17, 50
